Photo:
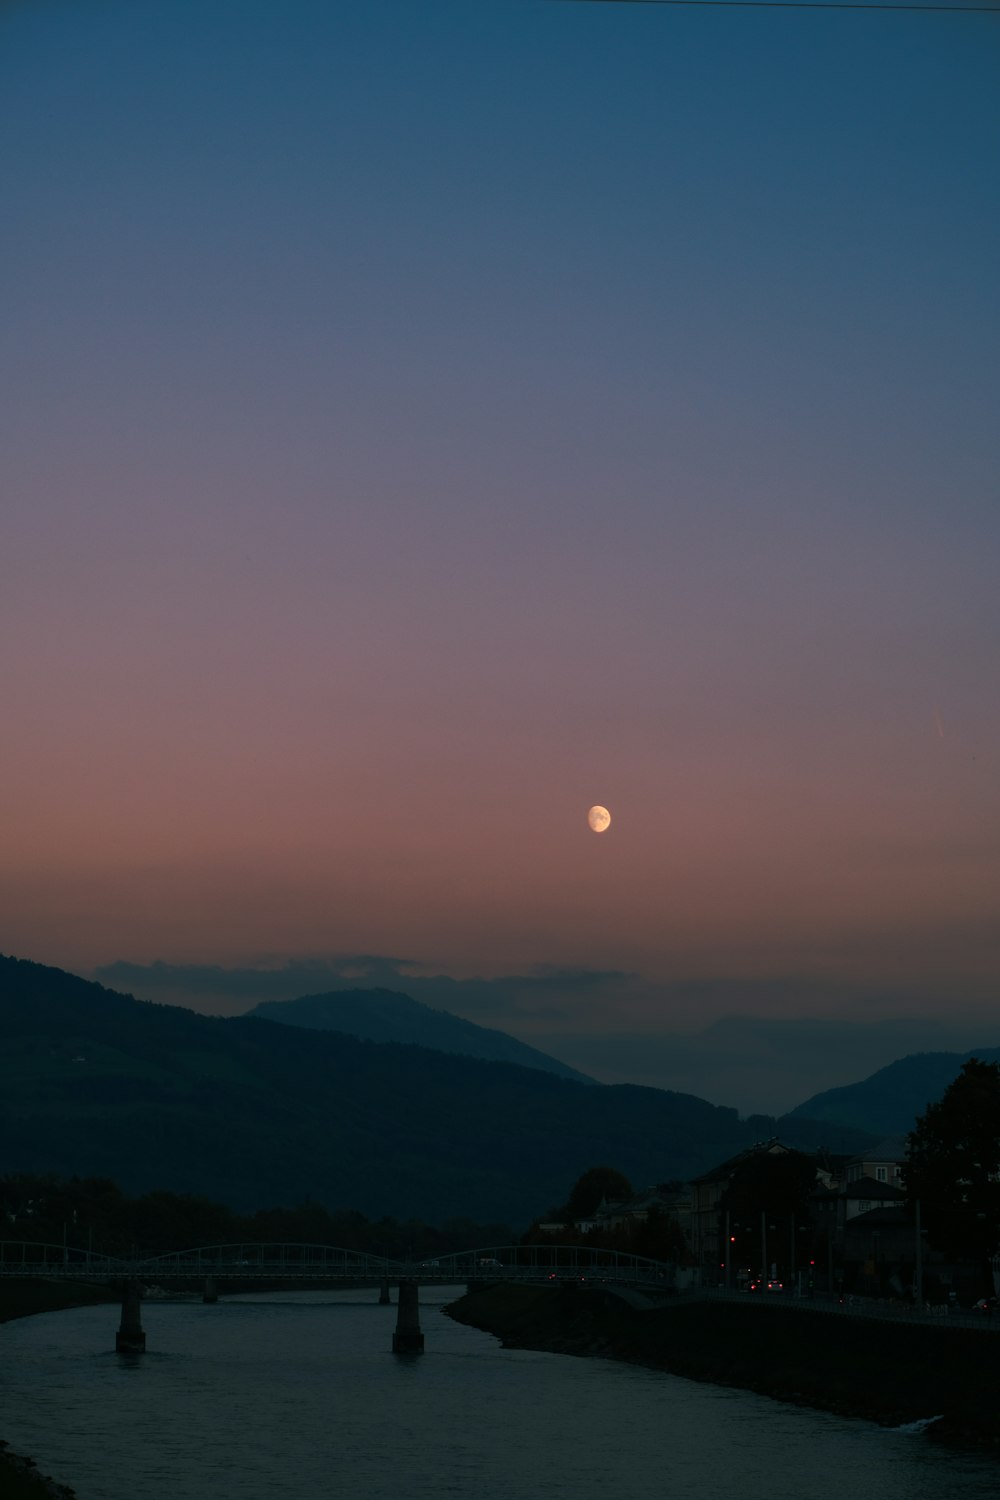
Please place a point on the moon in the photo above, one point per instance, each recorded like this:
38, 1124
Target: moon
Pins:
599, 818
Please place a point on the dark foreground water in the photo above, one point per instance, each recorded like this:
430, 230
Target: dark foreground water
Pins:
289, 1396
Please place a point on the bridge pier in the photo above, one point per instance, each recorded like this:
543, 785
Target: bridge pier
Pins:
408, 1338
211, 1291
384, 1300
130, 1338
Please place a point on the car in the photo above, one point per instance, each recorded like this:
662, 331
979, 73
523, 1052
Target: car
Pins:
488, 1263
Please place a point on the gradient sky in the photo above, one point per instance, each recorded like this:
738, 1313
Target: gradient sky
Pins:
424, 418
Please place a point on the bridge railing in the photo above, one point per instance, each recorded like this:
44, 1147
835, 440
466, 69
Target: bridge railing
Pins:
247, 1261
33, 1258
290, 1258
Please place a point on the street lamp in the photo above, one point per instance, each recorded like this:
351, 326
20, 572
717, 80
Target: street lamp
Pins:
729, 1247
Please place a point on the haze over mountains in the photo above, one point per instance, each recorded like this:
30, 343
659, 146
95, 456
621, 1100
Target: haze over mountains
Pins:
767, 1063
761, 1045
884, 1104
255, 1113
386, 1016
888, 1101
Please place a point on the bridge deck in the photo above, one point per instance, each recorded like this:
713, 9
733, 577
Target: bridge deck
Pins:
324, 1263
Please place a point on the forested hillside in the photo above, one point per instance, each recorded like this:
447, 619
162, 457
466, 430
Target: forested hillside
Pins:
888, 1102
254, 1114
380, 1015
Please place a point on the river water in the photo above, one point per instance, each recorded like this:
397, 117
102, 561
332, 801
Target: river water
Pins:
294, 1396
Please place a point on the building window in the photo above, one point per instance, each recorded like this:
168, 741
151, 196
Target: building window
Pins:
881, 1174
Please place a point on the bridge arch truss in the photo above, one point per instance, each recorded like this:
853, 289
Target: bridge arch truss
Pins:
297, 1262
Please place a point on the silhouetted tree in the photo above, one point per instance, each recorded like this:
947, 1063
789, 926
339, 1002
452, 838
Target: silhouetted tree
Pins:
660, 1237
590, 1189
953, 1166
94, 1213
775, 1184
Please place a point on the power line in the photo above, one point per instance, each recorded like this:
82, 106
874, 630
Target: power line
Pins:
795, 5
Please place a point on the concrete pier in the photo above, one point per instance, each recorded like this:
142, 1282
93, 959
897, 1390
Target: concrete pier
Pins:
211, 1292
130, 1338
384, 1300
408, 1338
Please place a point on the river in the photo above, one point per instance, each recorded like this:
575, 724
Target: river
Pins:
294, 1396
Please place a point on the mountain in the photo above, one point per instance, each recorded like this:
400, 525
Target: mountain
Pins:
889, 1101
256, 1114
766, 1063
387, 1016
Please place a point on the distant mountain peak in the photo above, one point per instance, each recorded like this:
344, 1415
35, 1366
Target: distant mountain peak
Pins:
253, 1113
888, 1102
381, 1015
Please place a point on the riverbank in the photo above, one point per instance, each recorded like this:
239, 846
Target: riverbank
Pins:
21, 1298
20, 1480
893, 1374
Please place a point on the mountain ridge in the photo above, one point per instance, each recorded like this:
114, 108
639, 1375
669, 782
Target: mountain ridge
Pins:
889, 1100
384, 1015
255, 1113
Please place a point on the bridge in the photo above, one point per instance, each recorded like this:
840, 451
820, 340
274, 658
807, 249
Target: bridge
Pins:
251, 1265
244, 1263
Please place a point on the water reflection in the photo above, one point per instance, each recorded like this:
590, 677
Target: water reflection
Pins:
298, 1395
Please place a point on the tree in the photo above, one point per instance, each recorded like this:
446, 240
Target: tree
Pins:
589, 1190
773, 1185
660, 1237
953, 1166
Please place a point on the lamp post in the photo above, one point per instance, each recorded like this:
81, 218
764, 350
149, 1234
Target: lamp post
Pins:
918, 1260
793, 1250
729, 1246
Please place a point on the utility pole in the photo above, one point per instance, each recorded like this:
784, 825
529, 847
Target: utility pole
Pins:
728, 1250
763, 1244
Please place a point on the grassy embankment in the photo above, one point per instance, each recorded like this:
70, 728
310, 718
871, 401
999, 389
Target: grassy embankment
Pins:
886, 1372
19, 1299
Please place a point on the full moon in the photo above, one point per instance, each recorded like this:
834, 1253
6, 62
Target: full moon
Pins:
599, 818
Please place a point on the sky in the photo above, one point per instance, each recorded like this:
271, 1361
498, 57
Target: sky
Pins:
423, 419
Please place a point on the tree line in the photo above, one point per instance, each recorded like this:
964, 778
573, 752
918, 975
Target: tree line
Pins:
952, 1169
94, 1213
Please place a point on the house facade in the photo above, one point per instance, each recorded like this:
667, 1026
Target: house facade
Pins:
882, 1162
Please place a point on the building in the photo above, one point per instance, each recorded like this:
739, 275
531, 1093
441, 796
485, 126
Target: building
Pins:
883, 1162
669, 1199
